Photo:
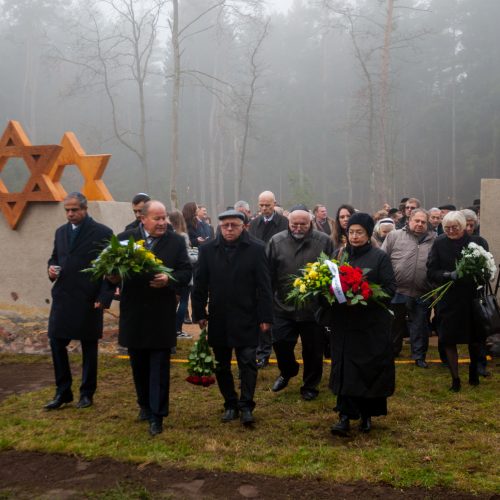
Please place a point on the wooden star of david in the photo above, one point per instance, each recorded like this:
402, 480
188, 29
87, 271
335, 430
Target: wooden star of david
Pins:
14, 143
90, 166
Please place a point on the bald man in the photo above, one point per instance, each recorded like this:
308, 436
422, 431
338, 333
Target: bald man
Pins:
264, 227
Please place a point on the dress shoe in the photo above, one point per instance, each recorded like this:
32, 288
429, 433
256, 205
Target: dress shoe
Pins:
246, 417
366, 424
58, 401
155, 427
144, 415
84, 402
280, 383
309, 395
262, 363
421, 363
230, 414
342, 427
455, 385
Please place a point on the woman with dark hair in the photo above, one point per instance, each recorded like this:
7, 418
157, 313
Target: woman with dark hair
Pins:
363, 374
189, 211
344, 212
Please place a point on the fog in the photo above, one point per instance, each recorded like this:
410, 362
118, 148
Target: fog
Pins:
331, 101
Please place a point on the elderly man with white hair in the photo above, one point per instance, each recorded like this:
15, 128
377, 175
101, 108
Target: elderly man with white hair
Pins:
288, 252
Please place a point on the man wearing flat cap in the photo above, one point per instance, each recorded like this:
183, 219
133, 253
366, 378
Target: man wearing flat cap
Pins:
232, 277
288, 252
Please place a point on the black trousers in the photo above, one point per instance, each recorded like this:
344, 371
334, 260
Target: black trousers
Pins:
62, 369
247, 365
286, 333
151, 373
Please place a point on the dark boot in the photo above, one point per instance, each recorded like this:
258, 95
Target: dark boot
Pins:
473, 374
342, 427
366, 424
455, 385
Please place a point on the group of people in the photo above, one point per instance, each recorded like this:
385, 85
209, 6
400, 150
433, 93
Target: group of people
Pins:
238, 278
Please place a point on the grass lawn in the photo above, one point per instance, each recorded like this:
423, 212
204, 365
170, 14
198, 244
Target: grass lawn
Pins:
431, 437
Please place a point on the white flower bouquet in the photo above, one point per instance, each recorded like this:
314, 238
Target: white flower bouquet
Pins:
475, 263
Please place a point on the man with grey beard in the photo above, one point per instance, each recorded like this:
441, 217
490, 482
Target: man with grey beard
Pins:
289, 251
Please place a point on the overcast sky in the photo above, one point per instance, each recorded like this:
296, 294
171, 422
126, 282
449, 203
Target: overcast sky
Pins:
280, 5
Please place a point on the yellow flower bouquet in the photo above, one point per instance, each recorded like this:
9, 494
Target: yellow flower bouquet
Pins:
126, 258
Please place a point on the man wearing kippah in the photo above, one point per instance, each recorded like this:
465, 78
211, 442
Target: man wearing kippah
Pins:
232, 278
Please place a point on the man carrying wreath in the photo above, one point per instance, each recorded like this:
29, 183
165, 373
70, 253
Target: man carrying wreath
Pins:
147, 313
233, 274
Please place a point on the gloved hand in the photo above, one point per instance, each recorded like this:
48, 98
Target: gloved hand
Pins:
452, 275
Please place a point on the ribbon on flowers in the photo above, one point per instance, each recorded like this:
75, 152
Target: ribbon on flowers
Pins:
336, 285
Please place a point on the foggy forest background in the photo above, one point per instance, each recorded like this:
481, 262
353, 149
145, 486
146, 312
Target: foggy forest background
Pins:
357, 101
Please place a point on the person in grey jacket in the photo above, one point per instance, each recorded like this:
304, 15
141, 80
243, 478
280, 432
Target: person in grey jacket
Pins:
288, 252
408, 249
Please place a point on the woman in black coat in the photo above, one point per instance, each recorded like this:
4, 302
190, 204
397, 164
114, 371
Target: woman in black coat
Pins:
454, 312
363, 373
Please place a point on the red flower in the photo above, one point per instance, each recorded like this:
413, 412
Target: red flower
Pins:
366, 291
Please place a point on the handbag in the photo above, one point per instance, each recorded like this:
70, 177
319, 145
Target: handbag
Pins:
487, 312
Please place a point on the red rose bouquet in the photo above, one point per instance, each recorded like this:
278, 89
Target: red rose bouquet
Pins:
201, 363
336, 282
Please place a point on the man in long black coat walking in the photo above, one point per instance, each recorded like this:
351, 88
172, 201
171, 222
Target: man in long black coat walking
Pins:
147, 314
77, 302
233, 278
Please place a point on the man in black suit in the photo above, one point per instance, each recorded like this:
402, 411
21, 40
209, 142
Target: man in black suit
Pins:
233, 275
77, 302
137, 205
147, 314
264, 227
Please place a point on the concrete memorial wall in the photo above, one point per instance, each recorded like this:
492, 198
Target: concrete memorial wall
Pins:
490, 215
25, 251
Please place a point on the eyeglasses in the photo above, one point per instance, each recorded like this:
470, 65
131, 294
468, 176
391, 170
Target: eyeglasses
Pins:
230, 225
450, 229
409, 207
296, 226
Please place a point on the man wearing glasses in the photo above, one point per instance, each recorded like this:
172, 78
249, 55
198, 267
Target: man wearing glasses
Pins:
411, 204
232, 277
77, 302
288, 252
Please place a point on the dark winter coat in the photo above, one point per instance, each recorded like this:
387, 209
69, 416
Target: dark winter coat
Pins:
72, 315
454, 312
363, 364
237, 288
264, 231
287, 256
147, 315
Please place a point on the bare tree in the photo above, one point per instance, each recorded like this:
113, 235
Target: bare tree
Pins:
113, 53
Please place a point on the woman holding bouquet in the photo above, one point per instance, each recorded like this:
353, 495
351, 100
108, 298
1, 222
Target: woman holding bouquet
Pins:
363, 373
454, 312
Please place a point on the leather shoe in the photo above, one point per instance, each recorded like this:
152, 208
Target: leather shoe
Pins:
421, 363
309, 395
342, 427
144, 415
155, 427
84, 402
366, 424
246, 417
58, 401
230, 414
280, 383
455, 385
262, 363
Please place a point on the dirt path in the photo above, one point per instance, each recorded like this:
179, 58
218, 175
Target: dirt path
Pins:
27, 475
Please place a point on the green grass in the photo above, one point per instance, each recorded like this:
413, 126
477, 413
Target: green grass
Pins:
431, 437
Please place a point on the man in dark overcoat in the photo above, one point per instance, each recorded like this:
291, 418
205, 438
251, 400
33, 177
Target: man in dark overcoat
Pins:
147, 314
77, 302
233, 278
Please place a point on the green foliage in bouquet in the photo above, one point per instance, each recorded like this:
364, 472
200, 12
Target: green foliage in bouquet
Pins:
125, 258
201, 363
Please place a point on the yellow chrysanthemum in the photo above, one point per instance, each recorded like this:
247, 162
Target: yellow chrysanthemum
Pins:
297, 282
302, 288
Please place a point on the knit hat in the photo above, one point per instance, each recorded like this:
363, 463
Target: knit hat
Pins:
299, 206
386, 220
364, 220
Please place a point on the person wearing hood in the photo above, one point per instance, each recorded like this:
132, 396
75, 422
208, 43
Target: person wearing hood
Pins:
288, 252
363, 373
